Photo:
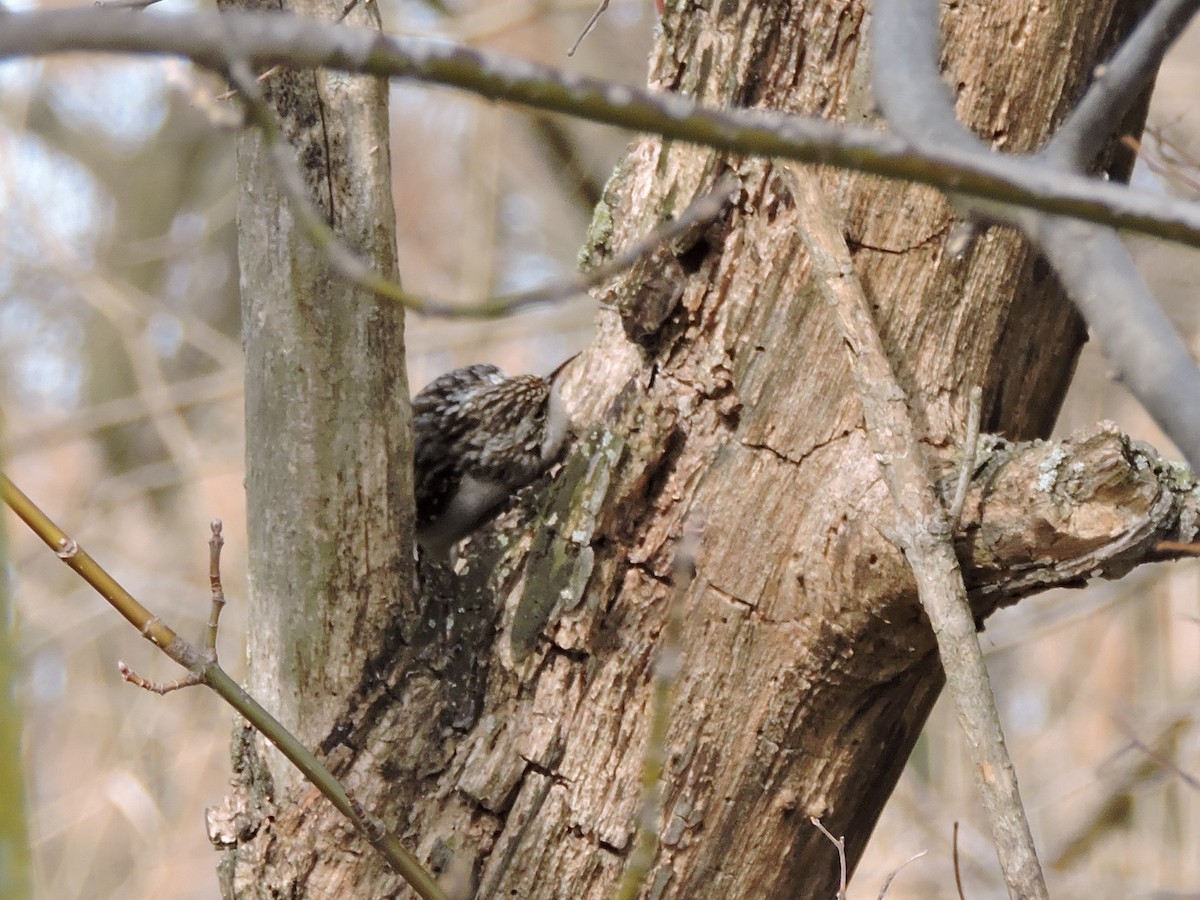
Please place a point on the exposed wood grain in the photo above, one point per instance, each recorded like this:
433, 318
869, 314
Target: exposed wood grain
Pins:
809, 668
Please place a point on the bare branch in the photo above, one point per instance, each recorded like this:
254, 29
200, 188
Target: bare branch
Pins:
907, 82
271, 39
1118, 84
1140, 343
566, 162
1092, 263
203, 668
1098, 275
587, 29
923, 530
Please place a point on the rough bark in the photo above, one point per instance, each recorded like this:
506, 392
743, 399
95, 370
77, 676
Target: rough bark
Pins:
809, 669
501, 727
328, 448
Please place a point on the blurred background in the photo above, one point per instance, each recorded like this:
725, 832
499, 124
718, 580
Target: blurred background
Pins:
121, 380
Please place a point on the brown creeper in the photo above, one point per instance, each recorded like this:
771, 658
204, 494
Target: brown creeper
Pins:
479, 436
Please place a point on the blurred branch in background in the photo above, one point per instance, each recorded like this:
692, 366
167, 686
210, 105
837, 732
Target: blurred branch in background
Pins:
1141, 762
15, 868
1174, 162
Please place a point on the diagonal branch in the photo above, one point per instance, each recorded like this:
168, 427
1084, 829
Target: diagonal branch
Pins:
1092, 263
1142, 347
203, 668
924, 531
279, 39
1118, 84
906, 80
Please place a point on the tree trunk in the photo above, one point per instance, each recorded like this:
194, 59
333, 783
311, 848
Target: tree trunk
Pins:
504, 736
328, 449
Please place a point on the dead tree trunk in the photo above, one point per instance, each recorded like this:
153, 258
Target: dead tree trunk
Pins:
501, 728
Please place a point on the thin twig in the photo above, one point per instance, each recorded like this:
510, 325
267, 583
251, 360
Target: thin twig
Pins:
215, 543
587, 29
124, 4
1170, 737
840, 844
1163, 156
957, 869
1177, 547
203, 667
667, 667
969, 448
887, 882
923, 531
157, 687
301, 43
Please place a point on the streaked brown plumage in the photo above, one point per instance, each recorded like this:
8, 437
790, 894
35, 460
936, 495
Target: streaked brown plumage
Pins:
479, 436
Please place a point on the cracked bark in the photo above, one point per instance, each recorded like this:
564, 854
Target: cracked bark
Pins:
328, 473
809, 667
500, 725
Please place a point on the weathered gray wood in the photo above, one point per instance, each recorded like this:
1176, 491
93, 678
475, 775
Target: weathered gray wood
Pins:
328, 434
